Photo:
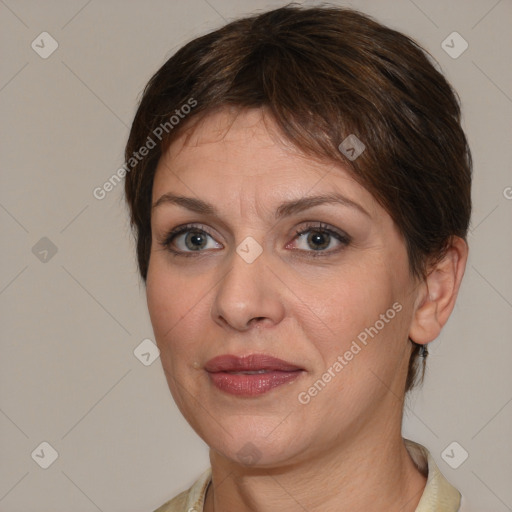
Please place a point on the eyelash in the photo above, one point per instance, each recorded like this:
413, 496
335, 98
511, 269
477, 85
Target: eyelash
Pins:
318, 227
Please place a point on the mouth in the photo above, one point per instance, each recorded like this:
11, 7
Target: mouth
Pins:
251, 375
253, 372
250, 364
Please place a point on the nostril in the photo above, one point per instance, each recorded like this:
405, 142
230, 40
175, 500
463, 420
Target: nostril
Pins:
257, 319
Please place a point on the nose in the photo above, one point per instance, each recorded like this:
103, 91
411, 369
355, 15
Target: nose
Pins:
248, 295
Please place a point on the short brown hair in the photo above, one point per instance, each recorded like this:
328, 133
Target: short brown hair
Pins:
323, 73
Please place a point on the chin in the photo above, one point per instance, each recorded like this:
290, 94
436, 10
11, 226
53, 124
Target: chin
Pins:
253, 449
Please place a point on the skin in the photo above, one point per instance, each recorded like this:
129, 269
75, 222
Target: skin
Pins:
342, 451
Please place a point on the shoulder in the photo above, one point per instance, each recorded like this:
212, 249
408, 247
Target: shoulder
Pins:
191, 500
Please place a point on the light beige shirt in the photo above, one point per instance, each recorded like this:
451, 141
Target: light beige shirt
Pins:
438, 496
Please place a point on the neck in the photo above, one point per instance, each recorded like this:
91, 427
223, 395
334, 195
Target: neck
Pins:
363, 476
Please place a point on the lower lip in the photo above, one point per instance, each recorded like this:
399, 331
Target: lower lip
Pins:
252, 385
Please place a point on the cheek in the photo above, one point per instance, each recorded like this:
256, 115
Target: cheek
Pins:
167, 304
353, 300
177, 307
162, 302
363, 321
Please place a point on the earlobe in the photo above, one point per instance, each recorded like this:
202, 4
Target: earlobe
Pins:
438, 293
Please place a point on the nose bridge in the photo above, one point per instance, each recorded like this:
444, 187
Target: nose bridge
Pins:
246, 292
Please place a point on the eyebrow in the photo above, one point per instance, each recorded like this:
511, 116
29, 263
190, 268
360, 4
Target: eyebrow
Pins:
284, 210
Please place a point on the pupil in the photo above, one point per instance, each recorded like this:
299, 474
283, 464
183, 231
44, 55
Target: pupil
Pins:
316, 239
196, 240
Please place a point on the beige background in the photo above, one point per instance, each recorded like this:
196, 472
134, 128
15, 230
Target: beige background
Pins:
71, 322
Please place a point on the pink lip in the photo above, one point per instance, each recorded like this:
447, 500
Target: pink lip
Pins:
252, 362
224, 373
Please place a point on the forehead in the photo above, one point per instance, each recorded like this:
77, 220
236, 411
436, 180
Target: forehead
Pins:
250, 135
245, 147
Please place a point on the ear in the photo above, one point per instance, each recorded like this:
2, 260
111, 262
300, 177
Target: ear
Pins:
438, 292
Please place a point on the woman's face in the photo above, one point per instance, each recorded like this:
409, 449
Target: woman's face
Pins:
334, 303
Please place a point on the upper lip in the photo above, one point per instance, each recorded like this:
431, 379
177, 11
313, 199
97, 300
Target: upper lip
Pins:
252, 362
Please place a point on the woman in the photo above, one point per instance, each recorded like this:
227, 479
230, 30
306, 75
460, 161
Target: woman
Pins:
299, 186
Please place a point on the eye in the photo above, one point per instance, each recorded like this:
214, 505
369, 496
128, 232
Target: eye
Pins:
188, 239
319, 239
